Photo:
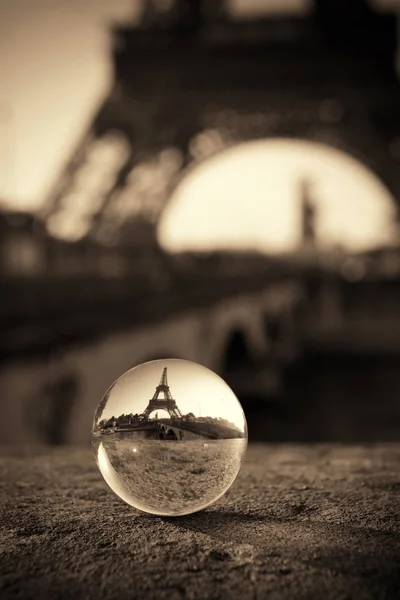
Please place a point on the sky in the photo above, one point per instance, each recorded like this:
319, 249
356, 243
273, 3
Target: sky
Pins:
55, 71
195, 389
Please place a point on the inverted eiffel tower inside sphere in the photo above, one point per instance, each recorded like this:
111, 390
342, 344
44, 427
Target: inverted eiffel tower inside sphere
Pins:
167, 403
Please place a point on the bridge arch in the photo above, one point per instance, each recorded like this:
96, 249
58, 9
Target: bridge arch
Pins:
237, 316
236, 350
167, 433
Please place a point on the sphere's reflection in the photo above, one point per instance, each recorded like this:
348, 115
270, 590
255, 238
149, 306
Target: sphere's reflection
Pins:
169, 454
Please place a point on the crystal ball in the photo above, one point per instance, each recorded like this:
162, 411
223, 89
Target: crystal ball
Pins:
169, 437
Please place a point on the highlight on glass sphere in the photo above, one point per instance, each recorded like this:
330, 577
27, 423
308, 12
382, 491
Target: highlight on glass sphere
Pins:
169, 437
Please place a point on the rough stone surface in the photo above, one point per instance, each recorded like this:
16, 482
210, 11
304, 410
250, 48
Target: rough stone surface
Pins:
300, 522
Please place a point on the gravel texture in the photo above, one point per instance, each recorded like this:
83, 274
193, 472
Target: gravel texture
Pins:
299, 522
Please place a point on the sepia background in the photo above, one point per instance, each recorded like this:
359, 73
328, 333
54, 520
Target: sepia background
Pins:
213, 181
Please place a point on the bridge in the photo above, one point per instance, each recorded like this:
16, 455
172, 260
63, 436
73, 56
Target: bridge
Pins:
250, 338
173, 430
183, 432
194, 429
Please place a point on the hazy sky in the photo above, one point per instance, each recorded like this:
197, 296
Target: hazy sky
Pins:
195, 389
248, 197
55, 71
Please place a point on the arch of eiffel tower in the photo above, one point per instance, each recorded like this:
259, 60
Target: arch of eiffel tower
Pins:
192, 81
166, 403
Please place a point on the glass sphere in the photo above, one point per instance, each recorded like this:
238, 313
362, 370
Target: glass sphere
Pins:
169, 437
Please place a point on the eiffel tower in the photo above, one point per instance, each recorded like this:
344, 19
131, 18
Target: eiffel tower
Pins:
327, 76
167, 403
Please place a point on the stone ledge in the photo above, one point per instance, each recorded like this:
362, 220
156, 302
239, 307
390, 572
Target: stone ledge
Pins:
299, 522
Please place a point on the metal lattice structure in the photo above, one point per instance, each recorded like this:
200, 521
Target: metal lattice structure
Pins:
191, 82
167, 403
